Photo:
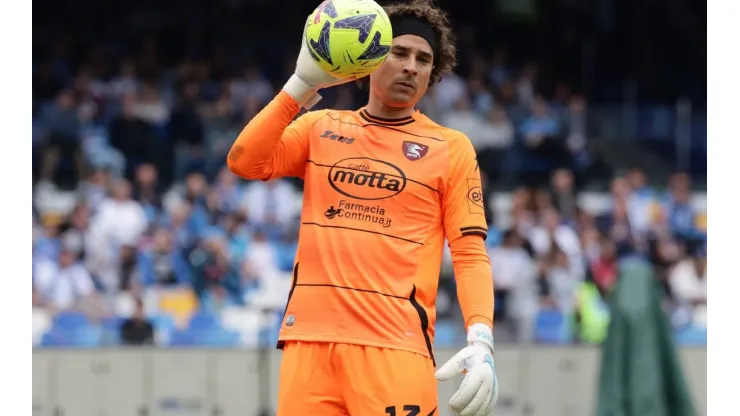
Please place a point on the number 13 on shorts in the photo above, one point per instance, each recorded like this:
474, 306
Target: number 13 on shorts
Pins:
406, 410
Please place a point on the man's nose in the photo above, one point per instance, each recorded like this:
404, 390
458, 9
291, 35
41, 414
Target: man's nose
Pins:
410, 67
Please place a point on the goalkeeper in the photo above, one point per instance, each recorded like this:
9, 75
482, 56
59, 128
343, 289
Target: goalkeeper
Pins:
385, 187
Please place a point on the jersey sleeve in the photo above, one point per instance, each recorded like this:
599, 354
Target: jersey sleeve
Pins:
273, 144
462, 205
474, 277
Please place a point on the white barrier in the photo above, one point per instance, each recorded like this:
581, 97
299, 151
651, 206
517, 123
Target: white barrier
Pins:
536, 381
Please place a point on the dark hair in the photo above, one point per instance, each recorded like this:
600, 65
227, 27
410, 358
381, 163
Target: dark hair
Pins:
436, 18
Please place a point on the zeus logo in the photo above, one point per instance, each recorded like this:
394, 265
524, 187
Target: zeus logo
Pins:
341, 139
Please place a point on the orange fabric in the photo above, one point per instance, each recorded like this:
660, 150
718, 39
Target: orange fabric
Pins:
380, 198
267, 146
470, 261
308, 384
327, 379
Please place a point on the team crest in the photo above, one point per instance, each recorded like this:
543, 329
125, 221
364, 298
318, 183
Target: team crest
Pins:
414, 151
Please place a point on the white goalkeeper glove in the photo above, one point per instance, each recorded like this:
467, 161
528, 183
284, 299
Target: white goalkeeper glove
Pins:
308, 77
478, 391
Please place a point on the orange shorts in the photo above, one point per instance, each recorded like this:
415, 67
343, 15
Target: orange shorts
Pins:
327, 379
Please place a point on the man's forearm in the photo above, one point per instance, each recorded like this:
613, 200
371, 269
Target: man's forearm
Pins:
472, 268
251, 156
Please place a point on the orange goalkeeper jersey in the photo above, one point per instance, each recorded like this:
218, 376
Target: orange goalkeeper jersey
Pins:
380, 198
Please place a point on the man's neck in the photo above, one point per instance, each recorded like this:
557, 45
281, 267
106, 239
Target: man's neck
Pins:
376, 108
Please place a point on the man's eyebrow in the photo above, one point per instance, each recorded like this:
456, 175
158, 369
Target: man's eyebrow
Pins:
422, 53
425, 54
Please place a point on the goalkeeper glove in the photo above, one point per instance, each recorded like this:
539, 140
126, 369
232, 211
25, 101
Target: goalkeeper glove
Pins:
308, 77
478, 391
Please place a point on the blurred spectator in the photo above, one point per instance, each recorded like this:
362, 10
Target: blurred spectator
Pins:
617, 224
564, 194
75, 236
496, 135
526, 85
498, 132
120, 222
261, 259
688, 283
480, 97
591, 241
41, 319
575, 128
619, 229
604, 269
134, 137
126, 272
47, 245
147, 190
553, 239
186, 132
448, 92
62, 128
216, 282
229, 189
516, 290
149, 107
271, 201
137, 330
641, 200
120, 219
124, 83
252, 84
163, 265
498, 71
664, 253
94, 190
560, 280
542, 134
461, 118
678, 208
65, 285
267, 286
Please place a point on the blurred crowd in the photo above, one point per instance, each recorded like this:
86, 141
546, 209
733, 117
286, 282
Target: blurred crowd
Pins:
135, 211
557, 261
141, 236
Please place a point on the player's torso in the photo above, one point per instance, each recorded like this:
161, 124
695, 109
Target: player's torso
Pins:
371, 215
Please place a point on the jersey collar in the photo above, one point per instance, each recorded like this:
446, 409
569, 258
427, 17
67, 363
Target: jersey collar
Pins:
386, 121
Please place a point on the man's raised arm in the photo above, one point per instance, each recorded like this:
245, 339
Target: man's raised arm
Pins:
272, 145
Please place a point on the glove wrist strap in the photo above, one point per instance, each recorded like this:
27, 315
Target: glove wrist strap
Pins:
303, 93
481, 333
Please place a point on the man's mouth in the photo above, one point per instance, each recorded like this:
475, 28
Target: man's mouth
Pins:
406, 84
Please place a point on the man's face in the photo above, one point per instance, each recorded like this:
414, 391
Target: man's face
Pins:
403, 78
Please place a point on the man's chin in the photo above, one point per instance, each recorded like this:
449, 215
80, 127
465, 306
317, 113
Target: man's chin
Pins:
400, 100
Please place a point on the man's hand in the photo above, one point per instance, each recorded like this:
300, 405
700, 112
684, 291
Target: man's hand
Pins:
478, 391
308, 77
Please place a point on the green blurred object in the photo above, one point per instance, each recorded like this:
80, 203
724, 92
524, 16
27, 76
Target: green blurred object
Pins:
594, 315
641, 373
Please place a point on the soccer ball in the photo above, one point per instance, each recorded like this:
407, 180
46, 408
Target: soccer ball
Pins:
349, 38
